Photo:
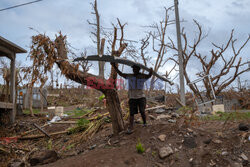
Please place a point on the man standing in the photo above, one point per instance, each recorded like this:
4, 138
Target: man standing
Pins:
136, 95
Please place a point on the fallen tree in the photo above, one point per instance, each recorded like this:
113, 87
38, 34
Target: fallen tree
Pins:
48, 53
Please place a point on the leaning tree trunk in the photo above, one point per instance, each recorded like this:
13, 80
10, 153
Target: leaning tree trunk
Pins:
72, 72
115, 111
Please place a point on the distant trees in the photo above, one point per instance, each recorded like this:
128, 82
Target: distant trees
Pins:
223, 62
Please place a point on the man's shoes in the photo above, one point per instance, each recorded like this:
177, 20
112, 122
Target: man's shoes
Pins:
145, 125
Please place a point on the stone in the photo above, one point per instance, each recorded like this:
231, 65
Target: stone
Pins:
243, 127
244, 157
148, 150
224, 153
217, 141
172, 121
165, 152
163, 116
207, 141
162, 137
160, 111
236, 164
92, 147
190, 142
43, 157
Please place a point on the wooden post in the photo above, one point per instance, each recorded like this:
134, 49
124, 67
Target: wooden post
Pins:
12, 88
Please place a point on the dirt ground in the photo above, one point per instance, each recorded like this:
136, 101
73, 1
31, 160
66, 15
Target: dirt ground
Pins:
209, 143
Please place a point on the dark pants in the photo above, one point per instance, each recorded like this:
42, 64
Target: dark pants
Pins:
134, 105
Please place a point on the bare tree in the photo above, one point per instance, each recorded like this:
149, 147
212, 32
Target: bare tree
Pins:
227, 67
158, 34
97, 34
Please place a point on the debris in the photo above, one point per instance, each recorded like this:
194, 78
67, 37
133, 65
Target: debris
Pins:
43, 157
243, 127
175, 115
217, 141
153, 108
55, 119
244, 157
207, 141
148, 150
27, 132
163, 116
92, 147
190, 142
165, 152
65, 122
224, 153
159, 111
162, 137
41, 130
41, 136
151, 117
172, 121
16, 163
4, 151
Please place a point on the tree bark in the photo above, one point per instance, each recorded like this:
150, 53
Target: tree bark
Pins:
115, 111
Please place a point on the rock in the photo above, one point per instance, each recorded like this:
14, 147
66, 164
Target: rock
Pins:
163, 116
175, 115
151, 117
244, 157
172, 121
207, 141
160, 111
43, 157
16, 163
148, 150
243, 127
217, 141
165, 152
224, 153
92, 147
162, 137
236, 164
190, 142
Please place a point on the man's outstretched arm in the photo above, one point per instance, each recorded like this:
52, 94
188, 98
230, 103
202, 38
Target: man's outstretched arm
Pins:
118, 71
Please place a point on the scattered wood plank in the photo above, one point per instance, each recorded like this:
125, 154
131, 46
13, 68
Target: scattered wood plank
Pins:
153, 108
41, 130
178, 101
27, 132
31, 137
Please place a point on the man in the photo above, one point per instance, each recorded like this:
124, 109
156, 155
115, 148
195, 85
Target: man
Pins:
136, 95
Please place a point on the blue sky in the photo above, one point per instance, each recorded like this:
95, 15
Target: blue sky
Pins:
70, 16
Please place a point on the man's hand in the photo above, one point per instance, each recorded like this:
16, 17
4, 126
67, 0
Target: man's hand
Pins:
151, 70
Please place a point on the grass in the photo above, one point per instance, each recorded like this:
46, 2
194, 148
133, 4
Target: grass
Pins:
222, 116
82, 124
77, 112
35, 111
139, 147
